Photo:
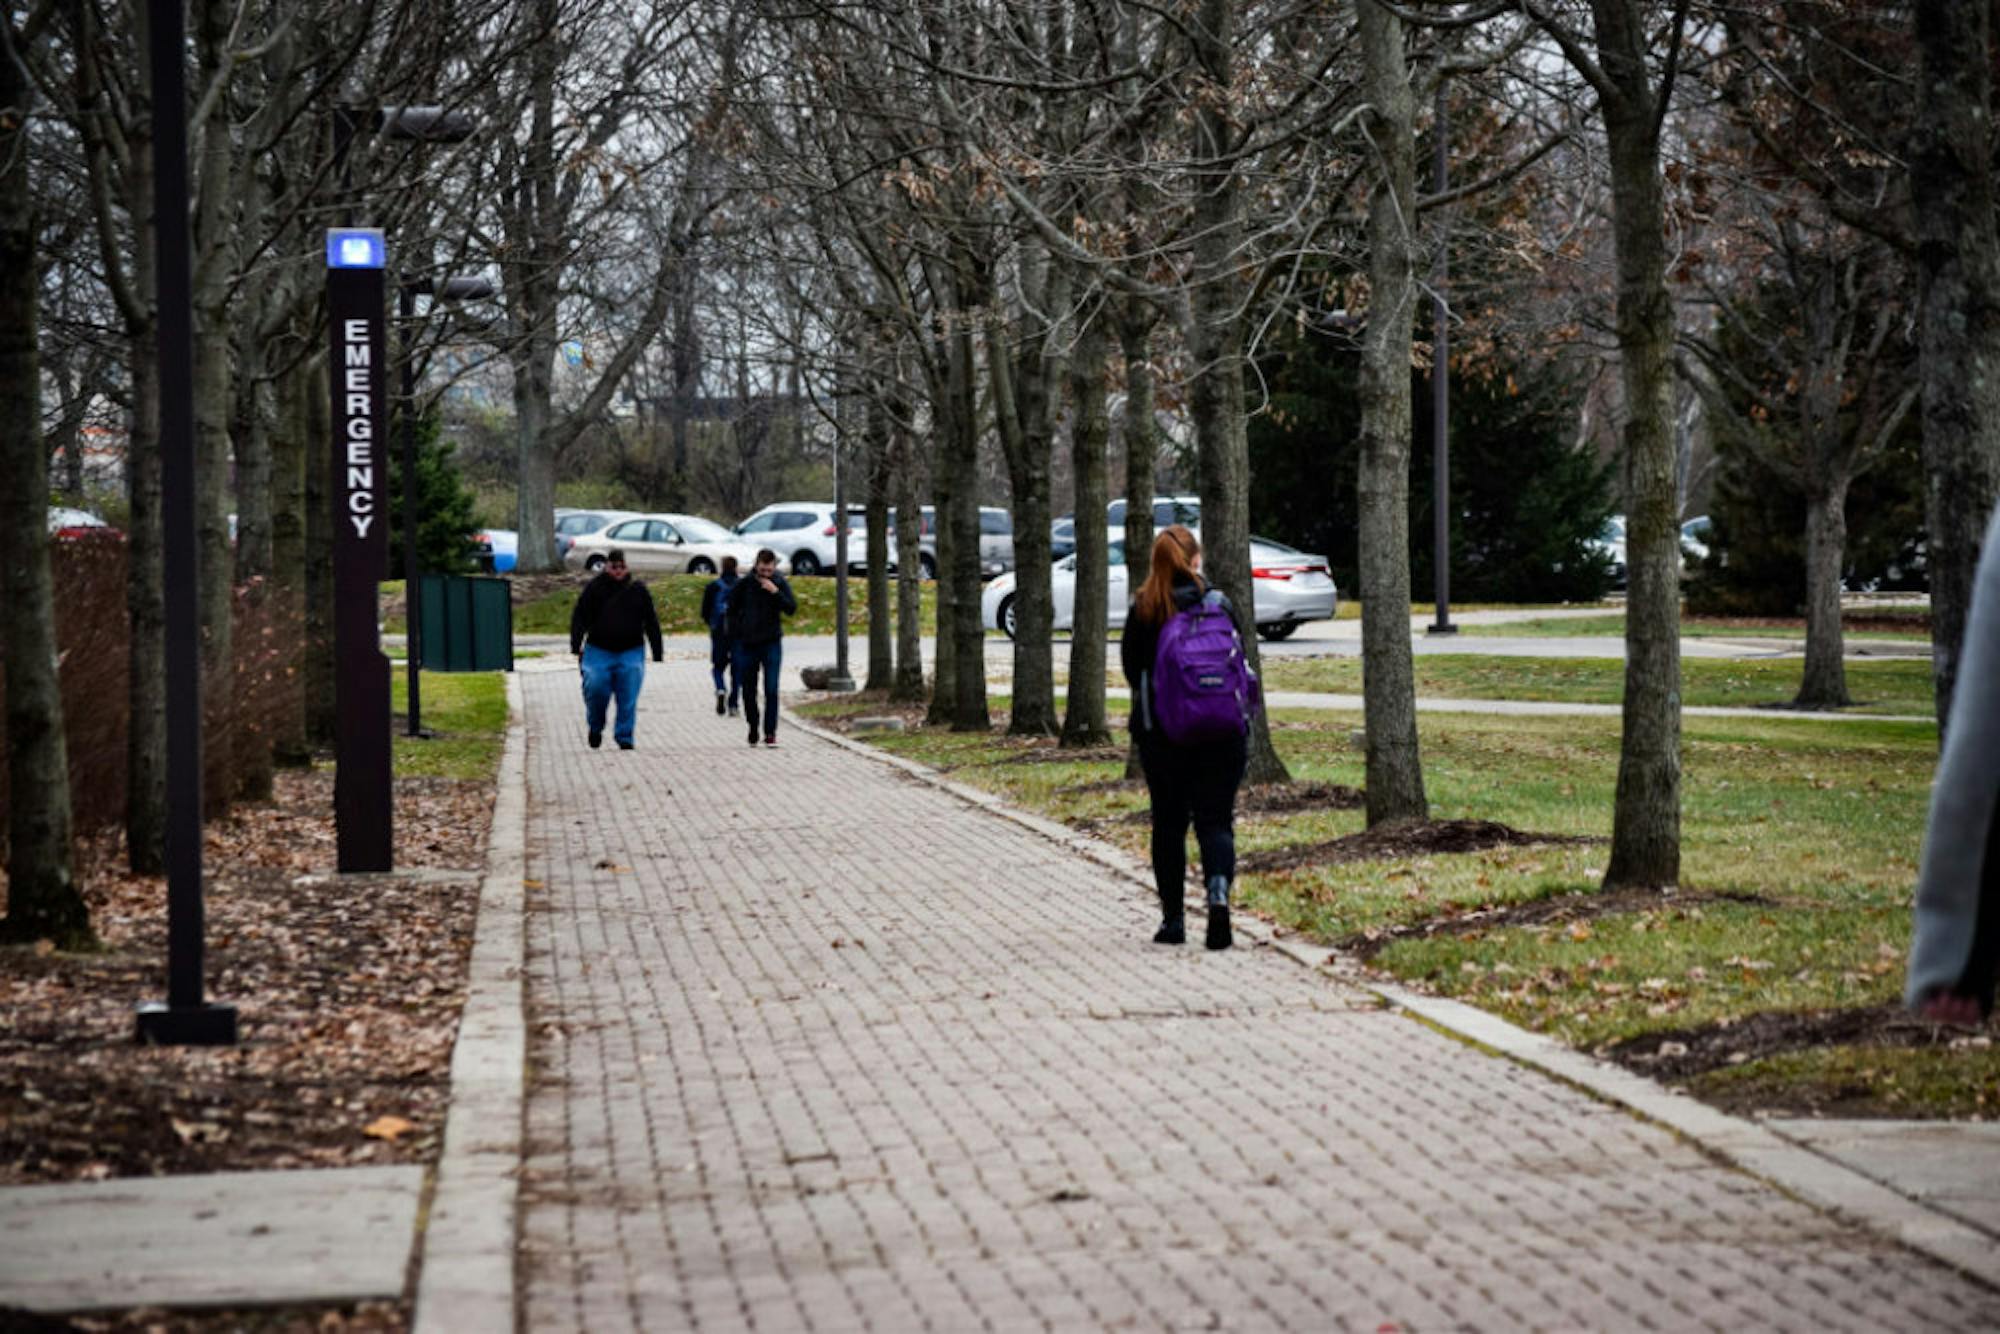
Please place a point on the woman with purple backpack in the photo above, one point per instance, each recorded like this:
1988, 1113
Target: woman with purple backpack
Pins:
1193, 766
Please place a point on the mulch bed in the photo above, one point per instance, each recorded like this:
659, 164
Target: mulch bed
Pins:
347, 990
1683, 1053
1540, 912
1403, 838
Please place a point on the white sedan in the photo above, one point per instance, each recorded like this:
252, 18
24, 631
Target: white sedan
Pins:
667, 543
1289, 588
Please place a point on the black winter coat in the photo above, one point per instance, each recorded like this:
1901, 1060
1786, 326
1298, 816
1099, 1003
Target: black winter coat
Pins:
615, 615
757, 617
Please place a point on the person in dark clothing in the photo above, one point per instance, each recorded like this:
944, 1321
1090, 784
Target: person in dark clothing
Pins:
612, 622
1186, 782
1955, 944
755, 618
714, 609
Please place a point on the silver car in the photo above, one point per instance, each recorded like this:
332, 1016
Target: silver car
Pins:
1289, 588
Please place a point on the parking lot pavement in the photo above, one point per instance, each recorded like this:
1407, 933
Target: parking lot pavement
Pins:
816, 1045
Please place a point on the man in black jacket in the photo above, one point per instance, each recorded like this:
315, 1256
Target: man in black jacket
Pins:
612, 622
757, 631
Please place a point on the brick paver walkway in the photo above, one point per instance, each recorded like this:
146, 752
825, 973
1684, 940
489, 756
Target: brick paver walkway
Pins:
818, 1047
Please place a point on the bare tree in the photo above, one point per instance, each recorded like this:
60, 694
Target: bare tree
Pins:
42, 896
1634, 91
1958, 277
1395, 770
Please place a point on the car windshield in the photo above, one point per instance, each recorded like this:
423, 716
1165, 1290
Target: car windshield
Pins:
1272, 544
696, 529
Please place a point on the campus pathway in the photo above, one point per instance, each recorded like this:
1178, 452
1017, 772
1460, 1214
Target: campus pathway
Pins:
815, 1045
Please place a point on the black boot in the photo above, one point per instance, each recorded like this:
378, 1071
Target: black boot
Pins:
1219, 937
1173, 922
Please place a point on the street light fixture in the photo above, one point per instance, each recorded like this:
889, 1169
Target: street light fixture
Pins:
1441, 389
185, 1019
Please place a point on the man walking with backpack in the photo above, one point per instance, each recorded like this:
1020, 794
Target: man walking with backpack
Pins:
757, 609
714, 613
1192, 700
609, 627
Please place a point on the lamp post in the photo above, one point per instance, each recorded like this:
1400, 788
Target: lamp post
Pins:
185, 1019
407, 292
1441, 388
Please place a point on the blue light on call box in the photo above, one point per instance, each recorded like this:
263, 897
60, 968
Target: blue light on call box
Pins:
355, 248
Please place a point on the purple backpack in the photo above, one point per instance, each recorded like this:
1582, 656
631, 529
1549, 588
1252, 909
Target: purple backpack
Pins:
1203, 688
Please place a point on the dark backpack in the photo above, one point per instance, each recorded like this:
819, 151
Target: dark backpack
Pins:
1203, 688
720, 625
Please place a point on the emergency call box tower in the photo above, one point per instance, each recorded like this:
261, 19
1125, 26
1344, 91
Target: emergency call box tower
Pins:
357, 313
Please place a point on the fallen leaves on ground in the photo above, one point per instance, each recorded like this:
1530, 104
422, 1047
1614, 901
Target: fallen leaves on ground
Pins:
347, 989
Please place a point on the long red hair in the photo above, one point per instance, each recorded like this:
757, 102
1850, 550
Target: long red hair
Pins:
1174, 553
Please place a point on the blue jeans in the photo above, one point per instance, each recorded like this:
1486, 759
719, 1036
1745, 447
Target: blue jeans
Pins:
722, 654
751, 660
606, 674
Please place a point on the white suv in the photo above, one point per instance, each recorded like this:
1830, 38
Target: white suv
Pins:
802, 534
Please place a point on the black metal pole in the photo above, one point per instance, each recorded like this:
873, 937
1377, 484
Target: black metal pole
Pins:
413, 598
1441, 387
185, 1019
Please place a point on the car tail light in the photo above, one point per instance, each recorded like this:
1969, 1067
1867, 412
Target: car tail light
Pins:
828, 531
1275, 571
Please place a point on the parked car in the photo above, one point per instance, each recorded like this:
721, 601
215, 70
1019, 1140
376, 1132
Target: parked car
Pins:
495, 549
1167, 510
1610, 541
1694, 539
996, 542
1289, 587
666, 543
1062, 537
66, 524
574, 523
802, 533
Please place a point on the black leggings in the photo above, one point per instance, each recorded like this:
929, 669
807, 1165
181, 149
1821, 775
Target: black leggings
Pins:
1195, 783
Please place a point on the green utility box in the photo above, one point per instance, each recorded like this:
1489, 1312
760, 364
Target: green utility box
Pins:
467, 623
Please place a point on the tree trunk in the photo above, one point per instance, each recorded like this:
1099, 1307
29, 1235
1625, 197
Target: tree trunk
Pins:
1084, 719
686, 363
1646, 823
1021, 394
535, 481
43, 901
876, 464
1395, 781
945, 480
1958, 271
958, 549
1824, 685
289, 746
909, 685
1142, 439
250, 432
145, 598
145, 558
319, 704
214, 271
1215, 337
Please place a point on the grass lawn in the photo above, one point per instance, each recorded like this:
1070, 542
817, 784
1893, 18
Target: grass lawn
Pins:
1878, 625
1900, 686
678, 598
1799, 847
467, 712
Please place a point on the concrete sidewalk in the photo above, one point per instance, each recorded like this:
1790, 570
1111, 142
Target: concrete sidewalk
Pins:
817, 1043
